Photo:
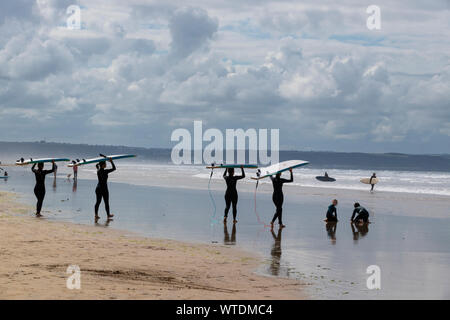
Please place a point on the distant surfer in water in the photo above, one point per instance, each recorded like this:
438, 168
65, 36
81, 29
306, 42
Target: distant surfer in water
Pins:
102, 187
39, 189
374, 176
278, 197
332, 212
363, 214
231, 195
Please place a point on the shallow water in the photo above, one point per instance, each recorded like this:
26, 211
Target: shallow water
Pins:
412, 252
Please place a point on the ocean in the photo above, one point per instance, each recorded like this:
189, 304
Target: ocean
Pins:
408, 238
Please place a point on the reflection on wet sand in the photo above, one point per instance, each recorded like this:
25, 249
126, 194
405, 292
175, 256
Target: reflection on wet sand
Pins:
276, 253
226, 236
74, 188
331, 231
359, 230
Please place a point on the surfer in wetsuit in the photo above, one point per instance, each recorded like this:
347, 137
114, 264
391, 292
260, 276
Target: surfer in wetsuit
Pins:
39, 189
332, 212
102, 187
363, 214
231, 195
374, 176
278, 197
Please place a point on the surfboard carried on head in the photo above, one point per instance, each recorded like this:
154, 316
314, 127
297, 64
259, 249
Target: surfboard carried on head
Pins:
81, 162
278, 168
227, 166
24, 162
367, 181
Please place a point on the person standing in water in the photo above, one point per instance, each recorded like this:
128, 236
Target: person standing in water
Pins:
75, 173
363, 214
332, 212
231, 195
374, 176
278, 197
39, 189
102, 191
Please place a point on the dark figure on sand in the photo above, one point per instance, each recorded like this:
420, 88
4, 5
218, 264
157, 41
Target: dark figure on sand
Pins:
278, 197
231, 195
332, 212
39, 189
361, 212
374, 176
102, 191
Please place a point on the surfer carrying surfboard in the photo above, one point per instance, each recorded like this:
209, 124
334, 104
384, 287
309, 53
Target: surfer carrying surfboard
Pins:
102, 191
278, 196
231, 195
374, 176
39, 189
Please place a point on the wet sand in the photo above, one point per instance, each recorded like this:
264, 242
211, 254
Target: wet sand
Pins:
35, 254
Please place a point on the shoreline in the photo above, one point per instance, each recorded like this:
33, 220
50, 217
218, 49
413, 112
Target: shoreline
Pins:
117, 264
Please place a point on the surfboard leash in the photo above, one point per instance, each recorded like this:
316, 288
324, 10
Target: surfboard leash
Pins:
256, 212
213, 218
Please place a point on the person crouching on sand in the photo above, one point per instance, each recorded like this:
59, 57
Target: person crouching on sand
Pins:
332, 212
363, 214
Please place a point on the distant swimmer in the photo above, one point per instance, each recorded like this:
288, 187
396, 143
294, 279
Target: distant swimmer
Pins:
39, 189
374, 176
332, 212
278, 197
363, 214
102, 191
231, 195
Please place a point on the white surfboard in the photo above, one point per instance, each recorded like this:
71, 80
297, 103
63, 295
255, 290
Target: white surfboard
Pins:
24, 162
367, 181
81, 162
278, 168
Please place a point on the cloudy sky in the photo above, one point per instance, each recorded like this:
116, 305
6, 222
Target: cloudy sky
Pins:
138, 69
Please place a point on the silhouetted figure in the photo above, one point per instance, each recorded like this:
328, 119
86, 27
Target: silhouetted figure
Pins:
276, 252
226, 236
231, 195
278, 196
39, 188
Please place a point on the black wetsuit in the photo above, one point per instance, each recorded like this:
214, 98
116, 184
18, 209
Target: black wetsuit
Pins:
363, 214
370, 181
332, 214
102, 188
39, 189
278, 197
231, 195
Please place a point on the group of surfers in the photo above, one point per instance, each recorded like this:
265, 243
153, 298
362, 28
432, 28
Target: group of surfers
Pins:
360, 214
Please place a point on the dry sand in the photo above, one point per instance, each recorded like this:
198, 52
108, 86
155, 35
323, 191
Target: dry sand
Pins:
35, 254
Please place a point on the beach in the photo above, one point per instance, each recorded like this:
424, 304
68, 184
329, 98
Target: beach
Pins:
407, 238
115, 264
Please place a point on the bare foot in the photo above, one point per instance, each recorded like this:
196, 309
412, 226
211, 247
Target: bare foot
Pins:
225, 220
38, 215
110, 216
96, 218
282, 226
234, 221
